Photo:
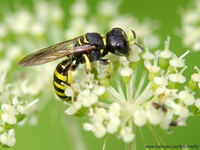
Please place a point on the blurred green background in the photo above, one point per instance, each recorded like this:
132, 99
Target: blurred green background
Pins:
55, 129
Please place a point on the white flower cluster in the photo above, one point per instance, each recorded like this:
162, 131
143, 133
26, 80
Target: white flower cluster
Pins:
190, 26
40, 26
13, 110
155, 92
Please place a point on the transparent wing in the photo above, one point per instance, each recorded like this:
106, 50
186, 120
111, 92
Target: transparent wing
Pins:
54, 52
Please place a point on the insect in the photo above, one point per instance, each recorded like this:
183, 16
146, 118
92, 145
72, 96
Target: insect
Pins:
87, 48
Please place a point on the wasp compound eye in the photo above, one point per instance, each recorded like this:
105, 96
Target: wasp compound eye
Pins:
122, 48
120, 45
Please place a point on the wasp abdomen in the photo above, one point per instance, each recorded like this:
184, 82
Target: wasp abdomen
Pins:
60, 78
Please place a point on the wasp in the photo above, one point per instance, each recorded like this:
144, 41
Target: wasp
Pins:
87, 48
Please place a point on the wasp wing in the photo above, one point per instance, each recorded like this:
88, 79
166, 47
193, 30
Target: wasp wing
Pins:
55, 52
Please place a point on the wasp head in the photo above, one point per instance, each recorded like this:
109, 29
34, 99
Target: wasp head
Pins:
117, 42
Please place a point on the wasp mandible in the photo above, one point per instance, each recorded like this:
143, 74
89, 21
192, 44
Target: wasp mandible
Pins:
87, 48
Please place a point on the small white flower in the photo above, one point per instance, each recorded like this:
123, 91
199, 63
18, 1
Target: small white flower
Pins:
8, 118
100, 115
69, 91
148, 55
177, 63
134, 57
197, 103
166, 54
115, 109
99, 90
113, 124
186, 97
8, 138
196, 76
87, 126
154, 115
22, 109
89, 100
166, 120
9, 109
139, 117
99, 130
181, 111
127, 134
160, 81
126, 71
73, 108
177, 78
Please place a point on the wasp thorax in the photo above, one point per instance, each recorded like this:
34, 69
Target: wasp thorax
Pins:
117, 42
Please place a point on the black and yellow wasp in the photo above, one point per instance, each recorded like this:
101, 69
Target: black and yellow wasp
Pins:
87, 48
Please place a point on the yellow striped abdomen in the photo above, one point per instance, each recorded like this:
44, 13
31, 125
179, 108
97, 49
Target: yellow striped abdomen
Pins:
60, 78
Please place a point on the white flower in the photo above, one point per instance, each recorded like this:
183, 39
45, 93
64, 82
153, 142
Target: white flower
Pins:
177, 78
181, 111
8, 138
99, 116
9, 109
166, 53
113, 124
22, 109
197, 103
148, 55
177, 63
154, 115
127, 134
115, 109
87, 100
196, 76
140, 117
8, 118
99, 90
73, 108
186, 97
166, 120
99, 130
87, 126
126, 71
160, 81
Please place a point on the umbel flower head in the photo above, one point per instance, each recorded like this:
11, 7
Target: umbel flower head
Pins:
142, 89
145, 88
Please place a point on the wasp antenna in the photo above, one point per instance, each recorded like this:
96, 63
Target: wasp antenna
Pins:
138, 46
134, 34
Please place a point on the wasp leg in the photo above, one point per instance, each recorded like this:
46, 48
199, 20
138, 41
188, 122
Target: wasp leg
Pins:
109, 63
87, 63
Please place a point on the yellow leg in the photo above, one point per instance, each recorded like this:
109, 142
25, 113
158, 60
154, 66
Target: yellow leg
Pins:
70, 81
87, 63
69, 77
